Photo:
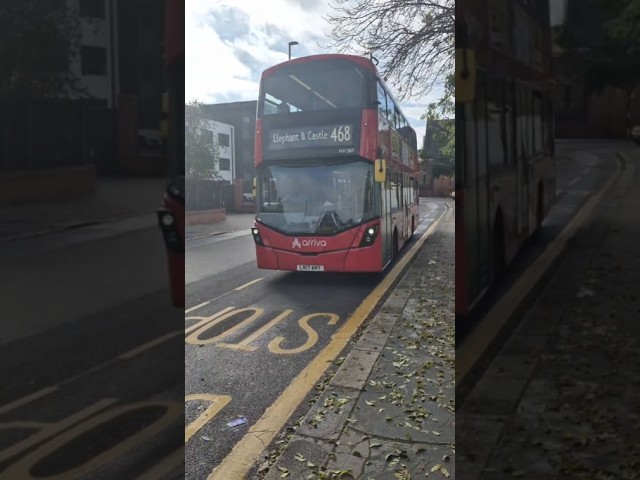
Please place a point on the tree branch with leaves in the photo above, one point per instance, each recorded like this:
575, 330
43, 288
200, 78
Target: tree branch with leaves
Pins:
38, 42
440, 139
414, 40
200, 148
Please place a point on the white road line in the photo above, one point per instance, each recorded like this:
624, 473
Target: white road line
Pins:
24, 400
229, 292
46, 391
248, 284
151, 344
197, 307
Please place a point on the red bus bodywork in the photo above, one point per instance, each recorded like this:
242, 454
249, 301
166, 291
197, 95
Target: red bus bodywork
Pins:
354, 249
505, 182
171, 215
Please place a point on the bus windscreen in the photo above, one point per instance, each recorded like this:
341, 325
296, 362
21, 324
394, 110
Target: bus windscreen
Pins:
316, 199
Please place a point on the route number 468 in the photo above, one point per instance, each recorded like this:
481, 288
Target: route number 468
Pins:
341, 134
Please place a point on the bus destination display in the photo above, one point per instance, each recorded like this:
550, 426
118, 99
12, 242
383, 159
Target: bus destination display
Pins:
302, 137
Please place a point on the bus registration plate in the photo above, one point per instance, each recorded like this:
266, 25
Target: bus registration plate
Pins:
311, 268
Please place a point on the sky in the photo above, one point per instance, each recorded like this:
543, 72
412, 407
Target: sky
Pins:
230, 42
557, 11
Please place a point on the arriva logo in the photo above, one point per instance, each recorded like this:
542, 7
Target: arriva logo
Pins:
312, 242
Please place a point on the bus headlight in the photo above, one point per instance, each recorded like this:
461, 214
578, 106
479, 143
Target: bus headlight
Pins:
166, 219
256, 236
172, 239
369, 236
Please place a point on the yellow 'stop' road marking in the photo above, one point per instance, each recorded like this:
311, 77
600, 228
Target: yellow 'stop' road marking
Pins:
247, 451
480, 338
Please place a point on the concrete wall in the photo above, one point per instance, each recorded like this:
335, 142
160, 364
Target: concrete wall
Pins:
440, 187
202, 217
47, 184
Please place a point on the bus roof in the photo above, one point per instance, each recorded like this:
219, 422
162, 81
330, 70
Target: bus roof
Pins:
363, 61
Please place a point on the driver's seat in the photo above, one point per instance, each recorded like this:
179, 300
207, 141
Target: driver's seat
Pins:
328, 223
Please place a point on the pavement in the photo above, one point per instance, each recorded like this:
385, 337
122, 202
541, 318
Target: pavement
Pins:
388, 412
560, 400
113, 199
233, 222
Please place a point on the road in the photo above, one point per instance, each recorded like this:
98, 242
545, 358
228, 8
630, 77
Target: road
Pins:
91, 358
250, 332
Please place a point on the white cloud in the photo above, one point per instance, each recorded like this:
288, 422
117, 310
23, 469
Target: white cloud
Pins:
225, 65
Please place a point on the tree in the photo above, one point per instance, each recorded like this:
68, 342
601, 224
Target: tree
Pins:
603, 37
440, 145
39, 39
414, 39
200, 149
200, 157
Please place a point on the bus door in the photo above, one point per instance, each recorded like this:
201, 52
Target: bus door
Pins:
386, 224
403, 204
477, 133
522, 175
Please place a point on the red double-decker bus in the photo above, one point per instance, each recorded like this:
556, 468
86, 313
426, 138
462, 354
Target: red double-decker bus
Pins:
505, 181
336, 168
171, 215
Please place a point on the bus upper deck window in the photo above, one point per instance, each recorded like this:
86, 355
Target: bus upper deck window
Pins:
284, 108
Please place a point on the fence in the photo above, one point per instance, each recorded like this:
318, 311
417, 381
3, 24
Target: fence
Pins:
205, 194
50, 133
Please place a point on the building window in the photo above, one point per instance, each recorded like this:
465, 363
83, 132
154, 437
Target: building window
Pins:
207, 135
92, 8
223, 140
225, 164
94, 60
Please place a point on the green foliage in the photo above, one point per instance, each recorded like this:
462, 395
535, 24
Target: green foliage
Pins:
38, 41
201, 151
440, 146
605, 38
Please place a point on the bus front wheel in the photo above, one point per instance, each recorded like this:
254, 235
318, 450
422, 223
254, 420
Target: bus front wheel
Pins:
540, 212
395, 244
498, 252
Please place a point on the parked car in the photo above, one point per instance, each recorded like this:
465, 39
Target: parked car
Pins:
635, 134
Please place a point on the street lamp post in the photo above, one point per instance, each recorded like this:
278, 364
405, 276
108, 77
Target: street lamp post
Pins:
290, 44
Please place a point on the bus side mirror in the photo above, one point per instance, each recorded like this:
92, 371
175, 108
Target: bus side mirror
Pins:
164, 119
380, 170
465, 75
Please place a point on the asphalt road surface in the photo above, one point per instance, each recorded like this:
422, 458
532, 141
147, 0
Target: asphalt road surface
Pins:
91, 356
249, 332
